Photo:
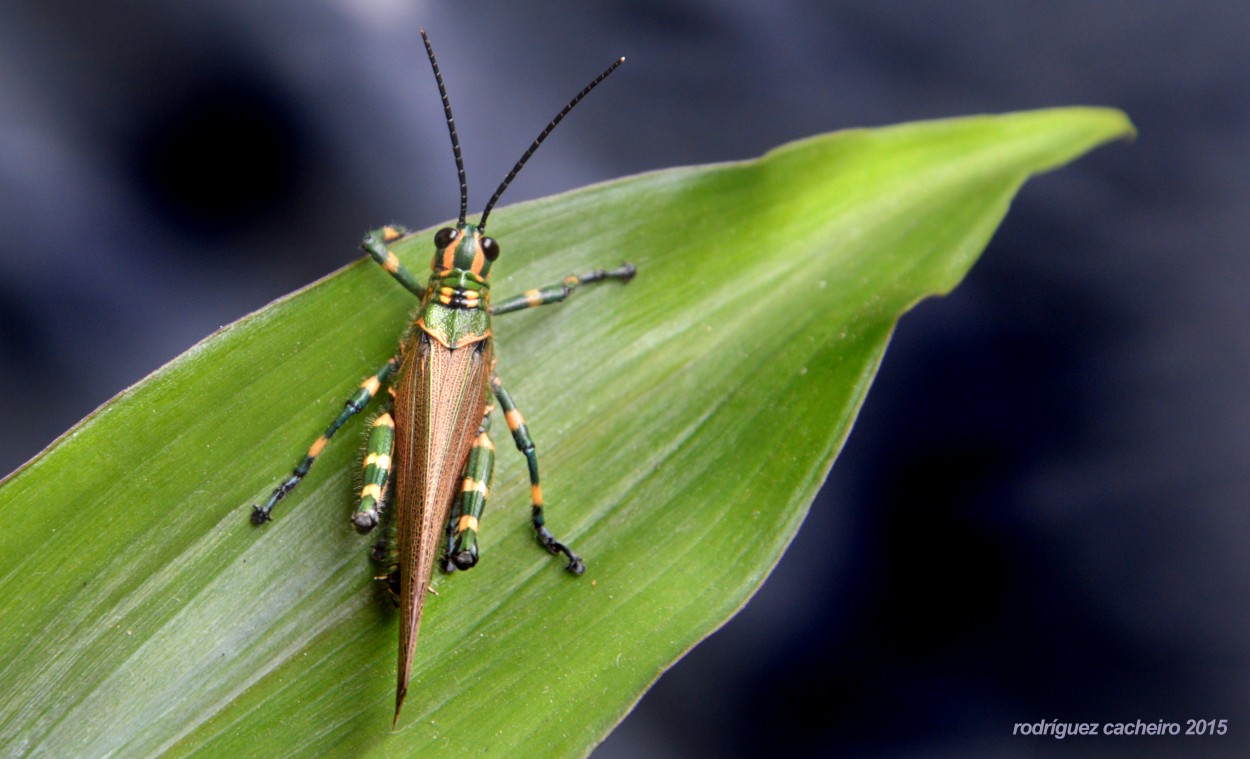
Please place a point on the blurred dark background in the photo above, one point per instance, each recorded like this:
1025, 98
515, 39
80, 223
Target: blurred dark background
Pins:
1041, 513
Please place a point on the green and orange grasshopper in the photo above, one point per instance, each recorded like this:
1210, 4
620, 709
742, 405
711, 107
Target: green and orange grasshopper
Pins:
430, 458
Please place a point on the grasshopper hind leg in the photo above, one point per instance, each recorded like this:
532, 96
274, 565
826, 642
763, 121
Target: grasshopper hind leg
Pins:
377, 473
466, 513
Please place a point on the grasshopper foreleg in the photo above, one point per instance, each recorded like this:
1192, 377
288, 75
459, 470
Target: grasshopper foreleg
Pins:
558, 293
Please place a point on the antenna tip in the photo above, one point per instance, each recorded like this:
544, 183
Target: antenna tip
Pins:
621, 59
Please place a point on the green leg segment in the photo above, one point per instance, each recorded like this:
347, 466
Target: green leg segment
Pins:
375, 244
368, 388
377, 472
525, 445
558, 293
462, 526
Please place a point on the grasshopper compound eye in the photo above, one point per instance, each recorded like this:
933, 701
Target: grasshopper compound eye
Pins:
445, 236
490, 248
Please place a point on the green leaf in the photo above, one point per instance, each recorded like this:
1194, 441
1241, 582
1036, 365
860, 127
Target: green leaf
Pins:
684, 424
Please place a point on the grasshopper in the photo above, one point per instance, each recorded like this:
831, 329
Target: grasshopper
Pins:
430, 457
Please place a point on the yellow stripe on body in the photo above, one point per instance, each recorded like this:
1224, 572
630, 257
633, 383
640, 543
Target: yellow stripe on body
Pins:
533, 297
384, 421
392, 262
484, 441
381, 460
372, 489
467, 522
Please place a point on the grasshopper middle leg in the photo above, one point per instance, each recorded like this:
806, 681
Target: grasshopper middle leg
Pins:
521, 435
354, 405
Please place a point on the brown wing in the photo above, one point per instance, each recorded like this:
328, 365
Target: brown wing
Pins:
438, 407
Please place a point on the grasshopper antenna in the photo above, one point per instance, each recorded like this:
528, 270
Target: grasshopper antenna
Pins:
451, 127
542, 136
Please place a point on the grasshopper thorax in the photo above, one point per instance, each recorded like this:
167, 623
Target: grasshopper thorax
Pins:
463, 248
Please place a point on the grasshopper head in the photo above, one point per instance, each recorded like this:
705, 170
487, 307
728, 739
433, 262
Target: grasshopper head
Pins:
464, 247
